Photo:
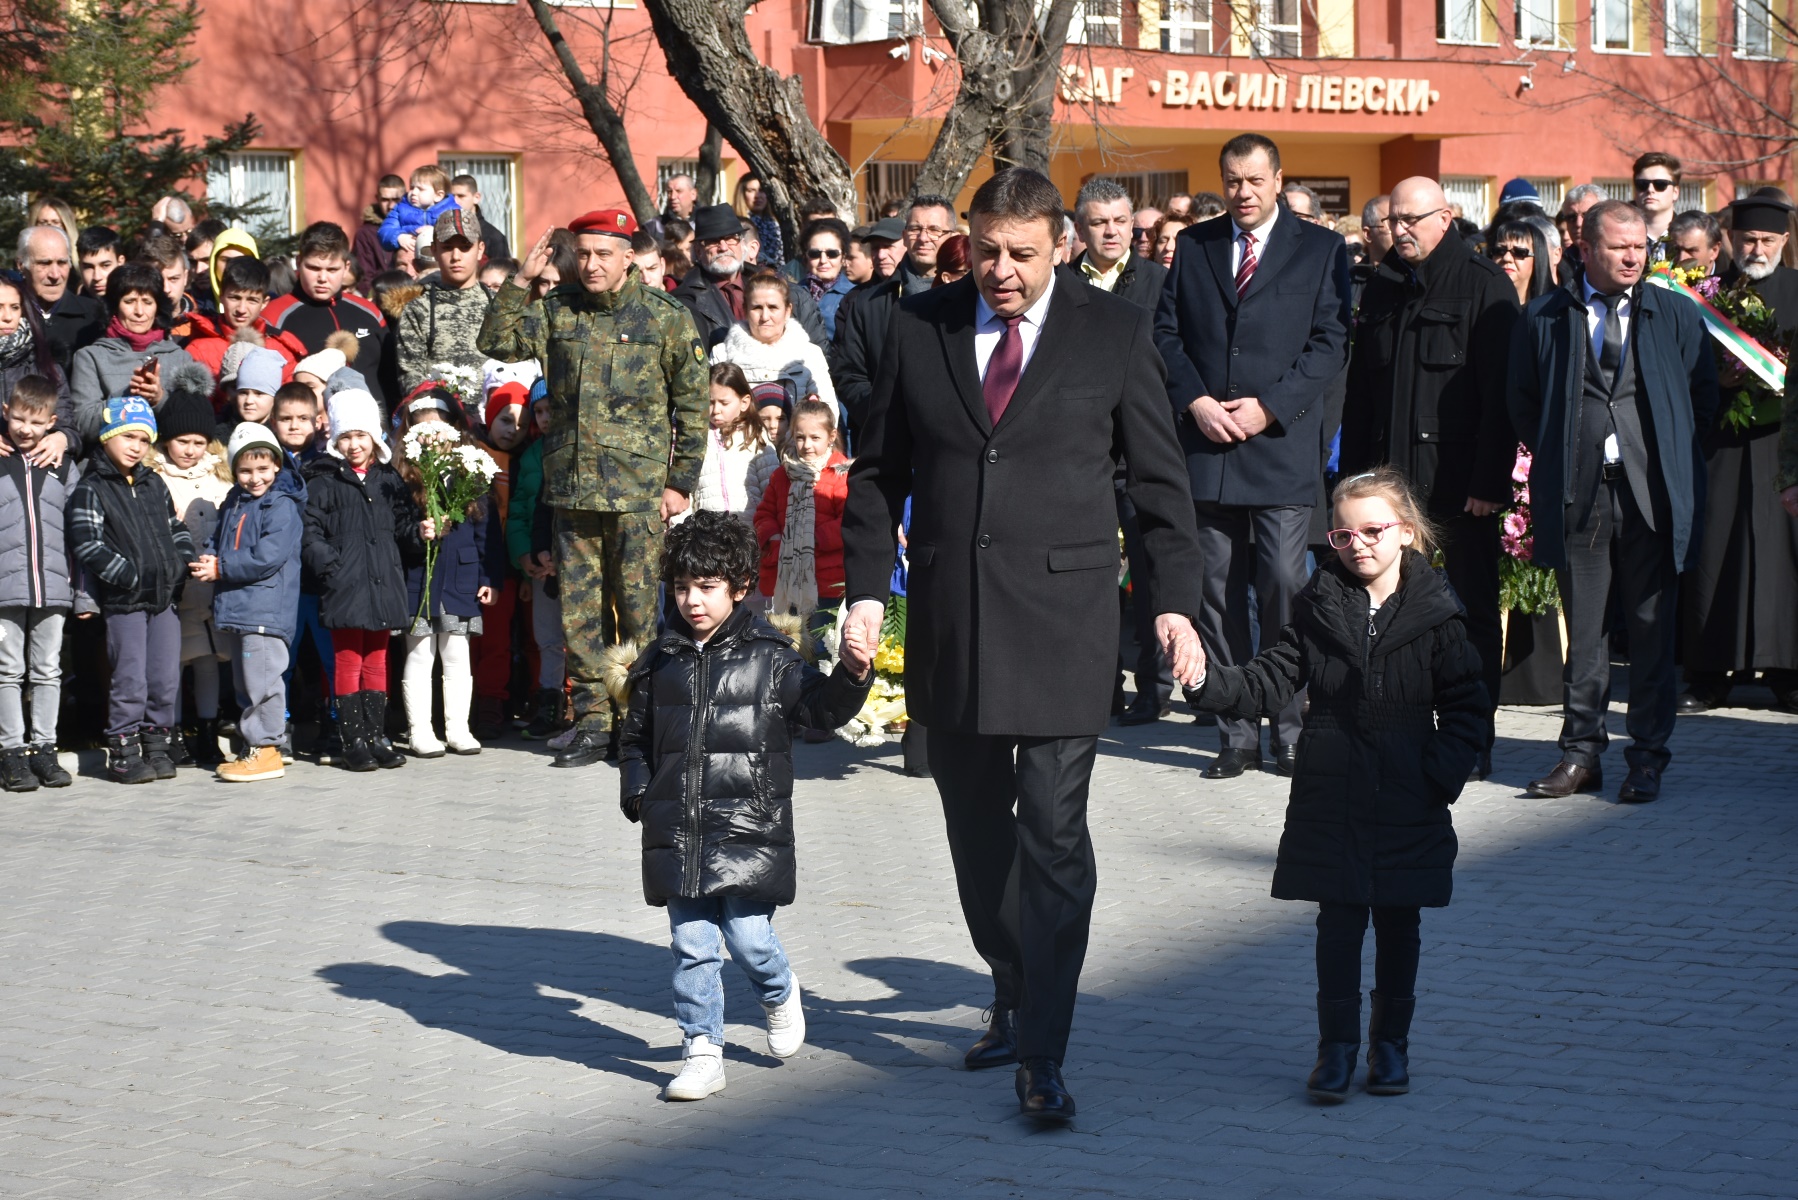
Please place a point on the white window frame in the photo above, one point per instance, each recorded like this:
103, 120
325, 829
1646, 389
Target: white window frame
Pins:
1693, 194
1685, 27
1473, 193
847, 22
1552, 189
1602, 15
1468, 12
1539, 23
1272, 37
501, 212
1744, 10
1185, 26
1108, 24
231, 173
1618, 189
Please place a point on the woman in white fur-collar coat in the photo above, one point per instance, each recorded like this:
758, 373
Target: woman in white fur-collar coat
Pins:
770, 346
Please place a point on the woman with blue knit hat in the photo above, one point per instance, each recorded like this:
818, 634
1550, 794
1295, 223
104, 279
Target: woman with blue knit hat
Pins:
137, 555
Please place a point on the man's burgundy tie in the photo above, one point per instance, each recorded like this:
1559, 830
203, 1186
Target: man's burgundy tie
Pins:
1246, 271
1003, 370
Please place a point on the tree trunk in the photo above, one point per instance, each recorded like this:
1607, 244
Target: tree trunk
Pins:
760, 111
711, 164
602, 117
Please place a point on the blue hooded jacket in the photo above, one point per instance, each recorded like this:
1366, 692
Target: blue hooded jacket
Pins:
258, 546
407, 217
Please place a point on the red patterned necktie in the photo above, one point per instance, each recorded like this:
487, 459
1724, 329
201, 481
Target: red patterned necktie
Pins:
1003, 370
1246, 271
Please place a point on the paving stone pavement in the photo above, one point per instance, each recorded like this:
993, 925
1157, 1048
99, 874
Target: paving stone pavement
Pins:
442, 982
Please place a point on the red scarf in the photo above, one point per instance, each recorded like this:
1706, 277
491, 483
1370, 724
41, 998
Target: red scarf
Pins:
139, 342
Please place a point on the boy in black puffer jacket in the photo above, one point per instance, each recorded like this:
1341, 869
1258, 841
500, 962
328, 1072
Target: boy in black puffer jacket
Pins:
123, 530
706, 763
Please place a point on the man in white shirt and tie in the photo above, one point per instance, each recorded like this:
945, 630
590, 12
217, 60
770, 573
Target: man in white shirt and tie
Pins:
1002, 402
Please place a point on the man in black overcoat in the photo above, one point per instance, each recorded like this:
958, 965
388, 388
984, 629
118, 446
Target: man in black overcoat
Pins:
1737, 603
1253, 327
1426, 393
1611, 382
1002, 407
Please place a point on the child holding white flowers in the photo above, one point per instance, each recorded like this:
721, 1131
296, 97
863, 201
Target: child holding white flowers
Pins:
470, 564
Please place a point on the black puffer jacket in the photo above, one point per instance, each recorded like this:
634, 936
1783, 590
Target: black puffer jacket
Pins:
1394, 726
706, 757
361, 535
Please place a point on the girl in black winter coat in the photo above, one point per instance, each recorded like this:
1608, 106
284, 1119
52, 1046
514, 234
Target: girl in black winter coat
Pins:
1398, 715
362, 530
706, 763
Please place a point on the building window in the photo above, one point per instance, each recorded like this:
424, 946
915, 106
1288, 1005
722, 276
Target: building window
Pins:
1458, 20
885, 182
1551, 189
1685, 27
1473, 193
1538, 22
1277, 32
1186, 26
494, 177
1694, 194
1096, 23
1746, 187
1754, 29
1617, 189
841, 21
255, 190
1612, 25
1148, 188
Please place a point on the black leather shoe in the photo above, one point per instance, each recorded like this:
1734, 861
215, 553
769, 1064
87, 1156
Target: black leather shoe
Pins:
1230, 763
1286, 760
1566, 779
1338, 1045
1388, 1045
1145, 714
1042, 1096
1642, 785
998, 1046
588, 747
1482, 767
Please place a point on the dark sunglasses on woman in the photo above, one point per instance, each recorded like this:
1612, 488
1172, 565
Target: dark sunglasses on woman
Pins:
824, 254
1520, 253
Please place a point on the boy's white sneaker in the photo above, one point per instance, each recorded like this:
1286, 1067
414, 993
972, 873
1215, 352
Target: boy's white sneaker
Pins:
701, 1075
786, 1024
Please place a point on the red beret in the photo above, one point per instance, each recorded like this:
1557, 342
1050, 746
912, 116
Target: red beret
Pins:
615, 221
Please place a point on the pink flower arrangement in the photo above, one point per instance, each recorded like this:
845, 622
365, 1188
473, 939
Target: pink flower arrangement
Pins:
1523, 585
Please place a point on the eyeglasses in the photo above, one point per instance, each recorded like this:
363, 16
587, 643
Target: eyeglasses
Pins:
932, 230
1657, 185
729, 239
824, 254
1520, 253
1407, 220
1370, 535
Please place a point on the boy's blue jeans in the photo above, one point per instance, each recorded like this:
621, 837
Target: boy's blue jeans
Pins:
699, 927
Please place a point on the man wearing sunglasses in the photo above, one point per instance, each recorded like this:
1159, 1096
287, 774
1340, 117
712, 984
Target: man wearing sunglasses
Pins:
1426, 393
1656, 177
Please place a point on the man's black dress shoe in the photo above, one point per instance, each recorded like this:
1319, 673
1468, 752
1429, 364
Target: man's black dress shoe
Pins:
1230, 763
1482, 767
588, 747
1145, 714
1042, 1096
1566, 779
1286, 760
998, 1046
1642, 785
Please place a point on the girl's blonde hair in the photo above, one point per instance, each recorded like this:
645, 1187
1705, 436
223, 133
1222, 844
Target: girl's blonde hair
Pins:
1391, 486
214, 447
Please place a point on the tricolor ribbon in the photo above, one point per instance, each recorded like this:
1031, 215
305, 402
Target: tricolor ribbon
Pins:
1746, 350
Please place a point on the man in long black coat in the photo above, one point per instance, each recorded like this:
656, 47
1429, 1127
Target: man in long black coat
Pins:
1426, 393
1736, 603
1003, 404
1253, 327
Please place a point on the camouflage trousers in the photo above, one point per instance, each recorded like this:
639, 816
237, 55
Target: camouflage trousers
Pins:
606, 566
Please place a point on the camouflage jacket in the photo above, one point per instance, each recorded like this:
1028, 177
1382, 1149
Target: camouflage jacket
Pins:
440, 326
629, 390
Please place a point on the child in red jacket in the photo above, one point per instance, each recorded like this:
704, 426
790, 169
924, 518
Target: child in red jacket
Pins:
800, 528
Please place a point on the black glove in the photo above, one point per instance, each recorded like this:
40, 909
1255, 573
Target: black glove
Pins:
631, 807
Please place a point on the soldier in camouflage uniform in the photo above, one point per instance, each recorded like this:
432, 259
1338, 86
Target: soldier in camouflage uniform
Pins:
444, 322
629, 391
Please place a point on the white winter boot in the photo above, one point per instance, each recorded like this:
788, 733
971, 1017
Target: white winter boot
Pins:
786, 1024
458, 695
415, 687
701, 1075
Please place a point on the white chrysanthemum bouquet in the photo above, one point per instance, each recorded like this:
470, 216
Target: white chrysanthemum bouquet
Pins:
455, 476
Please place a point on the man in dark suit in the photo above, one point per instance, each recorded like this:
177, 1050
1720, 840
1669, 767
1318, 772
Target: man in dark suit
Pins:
862, 321
1427, 394
713, 289
1003, 405
1102, 218
1253, 326
1611, 383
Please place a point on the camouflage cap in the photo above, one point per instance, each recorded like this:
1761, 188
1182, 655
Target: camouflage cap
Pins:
456, 224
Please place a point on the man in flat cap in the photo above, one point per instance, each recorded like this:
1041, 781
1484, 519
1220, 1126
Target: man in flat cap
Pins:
440, 324
1736, 603
629, 389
